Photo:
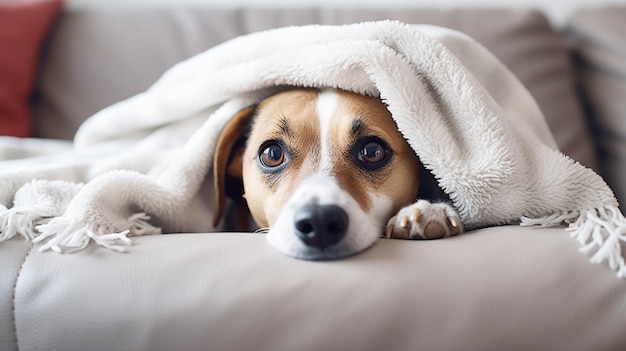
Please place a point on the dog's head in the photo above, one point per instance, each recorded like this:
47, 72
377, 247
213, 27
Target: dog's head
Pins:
324, 170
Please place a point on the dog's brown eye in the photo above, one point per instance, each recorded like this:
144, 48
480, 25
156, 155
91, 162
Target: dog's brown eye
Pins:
272, 155
372, 152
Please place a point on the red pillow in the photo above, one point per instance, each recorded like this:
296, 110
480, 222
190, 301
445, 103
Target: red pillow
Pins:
23, 28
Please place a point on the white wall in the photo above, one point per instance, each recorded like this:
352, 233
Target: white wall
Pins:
558, 10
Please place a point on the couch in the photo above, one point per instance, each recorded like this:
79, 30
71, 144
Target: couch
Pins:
500, 288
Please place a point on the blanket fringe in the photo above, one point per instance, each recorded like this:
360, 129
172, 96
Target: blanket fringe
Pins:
552, 220
21, 220
35, 203
69, 235
600, 233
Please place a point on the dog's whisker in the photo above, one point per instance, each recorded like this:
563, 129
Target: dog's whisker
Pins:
263, 230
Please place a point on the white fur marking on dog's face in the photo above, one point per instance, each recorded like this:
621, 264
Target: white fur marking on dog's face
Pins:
326, 107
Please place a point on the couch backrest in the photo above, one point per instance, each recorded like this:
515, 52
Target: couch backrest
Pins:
599, 39
99, 56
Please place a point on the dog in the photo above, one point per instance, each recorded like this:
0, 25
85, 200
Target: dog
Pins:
326, 173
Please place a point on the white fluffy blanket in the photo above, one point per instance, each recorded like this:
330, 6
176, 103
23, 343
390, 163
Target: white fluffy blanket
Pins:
141, 166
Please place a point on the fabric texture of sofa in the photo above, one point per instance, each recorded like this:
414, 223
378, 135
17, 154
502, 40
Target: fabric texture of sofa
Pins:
502, 288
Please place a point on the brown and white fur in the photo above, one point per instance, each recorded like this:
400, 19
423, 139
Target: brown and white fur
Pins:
328, 172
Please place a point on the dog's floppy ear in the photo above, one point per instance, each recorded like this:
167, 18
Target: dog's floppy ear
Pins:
227, 162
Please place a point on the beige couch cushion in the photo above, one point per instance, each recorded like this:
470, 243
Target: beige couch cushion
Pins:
98, 57
599, 38
506, 288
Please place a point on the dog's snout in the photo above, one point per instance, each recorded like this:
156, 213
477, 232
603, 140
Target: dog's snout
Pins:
321, 226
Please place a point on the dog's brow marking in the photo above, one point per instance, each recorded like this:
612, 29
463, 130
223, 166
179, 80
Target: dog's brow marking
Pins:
357, 127
326, 106
284, 126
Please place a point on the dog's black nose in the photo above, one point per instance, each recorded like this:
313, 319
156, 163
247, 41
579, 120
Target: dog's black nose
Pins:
321, 226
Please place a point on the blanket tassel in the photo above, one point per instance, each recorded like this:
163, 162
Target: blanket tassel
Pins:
600, 232
20, 220
68, 235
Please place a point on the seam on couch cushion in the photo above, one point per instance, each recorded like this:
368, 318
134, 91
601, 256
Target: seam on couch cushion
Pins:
14, 297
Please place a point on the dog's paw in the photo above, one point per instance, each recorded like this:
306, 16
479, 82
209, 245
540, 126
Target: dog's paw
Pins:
424, 220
